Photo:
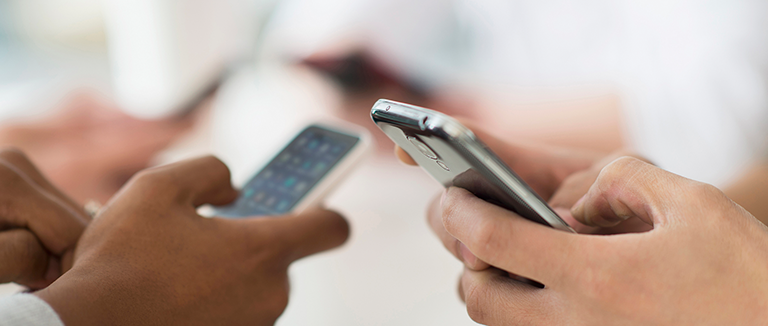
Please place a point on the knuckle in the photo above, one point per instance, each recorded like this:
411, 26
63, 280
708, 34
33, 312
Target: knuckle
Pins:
152, 183
14, 154
30, 247
151, 178
708, 191
27, 253
211, 164
482, 238
278, 301
715, 199
17, 192
618, 167
448, 212
10, 177
214, 161
448, 208
473, 295
622, 171
452, 208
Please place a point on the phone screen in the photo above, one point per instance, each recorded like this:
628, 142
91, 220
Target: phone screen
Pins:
292, 174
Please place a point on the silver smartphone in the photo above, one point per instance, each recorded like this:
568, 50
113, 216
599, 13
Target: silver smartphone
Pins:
454, 156
302, 173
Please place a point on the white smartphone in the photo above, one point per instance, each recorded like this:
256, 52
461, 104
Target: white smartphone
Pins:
454, 156
302, 173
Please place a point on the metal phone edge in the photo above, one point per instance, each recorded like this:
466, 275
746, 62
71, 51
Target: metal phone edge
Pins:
467, 139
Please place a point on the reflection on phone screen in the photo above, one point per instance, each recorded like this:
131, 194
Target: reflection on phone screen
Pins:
292, 174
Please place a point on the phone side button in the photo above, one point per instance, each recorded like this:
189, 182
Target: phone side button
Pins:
443, 165
423, 148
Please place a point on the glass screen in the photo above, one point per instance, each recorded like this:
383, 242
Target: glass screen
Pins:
293, 173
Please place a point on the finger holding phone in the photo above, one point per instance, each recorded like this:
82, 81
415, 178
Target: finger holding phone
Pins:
622, 279
521, 175
299, 177
545, 168
567, 192
704, 262
151, 259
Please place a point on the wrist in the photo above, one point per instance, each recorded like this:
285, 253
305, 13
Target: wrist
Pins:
79, 300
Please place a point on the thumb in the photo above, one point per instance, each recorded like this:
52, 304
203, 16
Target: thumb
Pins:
628, 187
308, 233
193, 182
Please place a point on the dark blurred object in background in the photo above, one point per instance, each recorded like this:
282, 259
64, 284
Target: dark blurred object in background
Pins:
359, 73
362, 80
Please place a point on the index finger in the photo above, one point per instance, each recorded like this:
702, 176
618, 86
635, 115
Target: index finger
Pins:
629, 187
404, 157
459, 250
25, 205
505, 240
308, 233
19, 160
194, 182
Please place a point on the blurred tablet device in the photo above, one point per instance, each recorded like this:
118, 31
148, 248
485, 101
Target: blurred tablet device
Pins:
302, 173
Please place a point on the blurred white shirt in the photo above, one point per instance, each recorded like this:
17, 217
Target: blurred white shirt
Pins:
691, 74
27, 310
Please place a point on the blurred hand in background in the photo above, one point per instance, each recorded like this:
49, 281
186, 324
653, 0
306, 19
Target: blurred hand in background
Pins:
89, 148
39, 225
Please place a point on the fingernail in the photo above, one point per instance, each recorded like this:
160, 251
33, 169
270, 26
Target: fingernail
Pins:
606, 221
578, 207
467, 256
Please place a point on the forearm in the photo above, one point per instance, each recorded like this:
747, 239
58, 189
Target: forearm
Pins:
751, 191
590, 121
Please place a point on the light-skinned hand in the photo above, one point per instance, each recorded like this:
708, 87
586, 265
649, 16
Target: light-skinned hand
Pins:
150, 259
559, 175
89, 148
704, 263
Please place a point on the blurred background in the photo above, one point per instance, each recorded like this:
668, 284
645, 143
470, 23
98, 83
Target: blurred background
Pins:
95, 90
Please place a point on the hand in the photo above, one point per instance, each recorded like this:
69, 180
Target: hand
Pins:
558, 175
89, 148
149, 259
544, 168
39, 225
704, 262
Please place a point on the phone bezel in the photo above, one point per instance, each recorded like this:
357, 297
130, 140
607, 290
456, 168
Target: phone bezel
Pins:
341, 169
335, 175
